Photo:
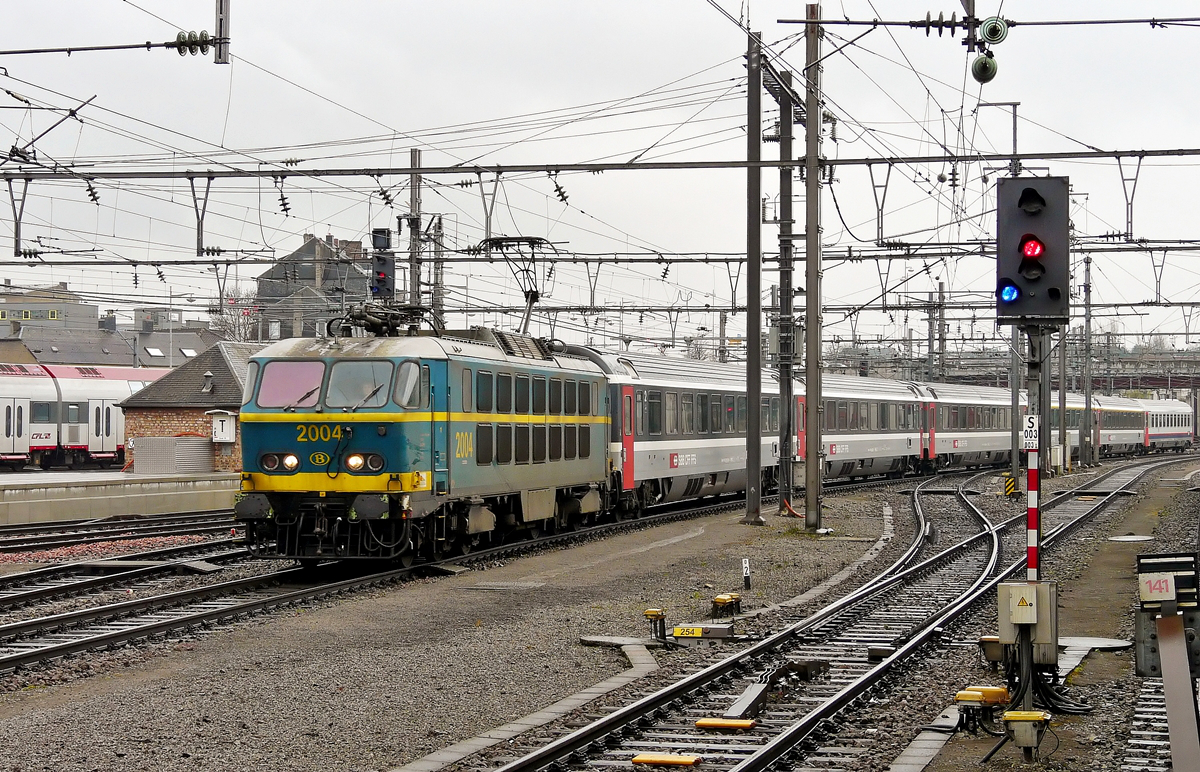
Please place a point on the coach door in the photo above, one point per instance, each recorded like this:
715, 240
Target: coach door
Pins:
102, 434
929, 421
8, 438
798, 422
627, 481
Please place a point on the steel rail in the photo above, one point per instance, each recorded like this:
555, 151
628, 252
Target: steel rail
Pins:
162, 553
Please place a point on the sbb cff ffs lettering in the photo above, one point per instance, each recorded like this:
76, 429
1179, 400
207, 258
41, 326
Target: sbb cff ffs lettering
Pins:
1033, 256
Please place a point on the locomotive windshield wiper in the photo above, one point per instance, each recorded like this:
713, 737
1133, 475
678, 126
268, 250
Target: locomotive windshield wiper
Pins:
363, 401
305, 396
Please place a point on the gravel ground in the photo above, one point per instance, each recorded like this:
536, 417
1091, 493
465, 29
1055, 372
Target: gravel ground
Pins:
380, 679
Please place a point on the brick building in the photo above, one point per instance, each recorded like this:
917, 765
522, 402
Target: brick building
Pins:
169, 424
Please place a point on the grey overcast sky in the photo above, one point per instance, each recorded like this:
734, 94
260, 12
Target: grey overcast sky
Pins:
357, 84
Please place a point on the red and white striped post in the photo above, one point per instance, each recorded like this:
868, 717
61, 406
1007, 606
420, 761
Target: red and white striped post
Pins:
1032, 526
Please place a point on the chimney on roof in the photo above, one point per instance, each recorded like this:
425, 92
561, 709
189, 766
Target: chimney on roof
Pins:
108, 323
208, 382
329, 239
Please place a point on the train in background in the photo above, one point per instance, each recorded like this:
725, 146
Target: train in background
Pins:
56, 415
433, 444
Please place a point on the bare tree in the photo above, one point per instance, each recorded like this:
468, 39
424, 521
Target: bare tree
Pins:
237, 319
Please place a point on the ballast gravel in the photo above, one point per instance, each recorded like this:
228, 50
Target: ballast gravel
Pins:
375, 680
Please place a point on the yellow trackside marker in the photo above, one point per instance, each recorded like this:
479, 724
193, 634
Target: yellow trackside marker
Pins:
726, 723
666, 760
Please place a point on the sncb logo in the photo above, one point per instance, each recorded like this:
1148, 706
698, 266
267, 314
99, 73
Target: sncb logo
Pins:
319, 458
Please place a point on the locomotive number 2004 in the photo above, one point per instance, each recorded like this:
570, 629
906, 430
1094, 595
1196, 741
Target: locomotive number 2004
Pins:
318, 432
464, 444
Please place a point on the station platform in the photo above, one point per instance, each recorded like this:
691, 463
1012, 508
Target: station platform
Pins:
30, 497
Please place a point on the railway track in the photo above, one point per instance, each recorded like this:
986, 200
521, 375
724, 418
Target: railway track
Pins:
41, 536
772, 704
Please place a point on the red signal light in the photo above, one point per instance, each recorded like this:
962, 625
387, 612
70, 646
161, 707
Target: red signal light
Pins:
1032, 247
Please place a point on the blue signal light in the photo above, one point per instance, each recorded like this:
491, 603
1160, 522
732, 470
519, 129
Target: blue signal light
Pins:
1009, 292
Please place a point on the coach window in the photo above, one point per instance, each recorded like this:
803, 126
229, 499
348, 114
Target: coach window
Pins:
556, 396
468, 388
764, 414
521, 398
8, 420
570, 442
701, 414
654, 412
843, 416
672, 412
483, 444
503, 393
627, 416
539, 395
830, 415
730, 414
851, 416
714, 410
775, 414
483, 391
97, 422
585, 398
39, 413
504, 438
686, 404
73, 414
21, 419
521, 443
743, 408
639, 398
569, 397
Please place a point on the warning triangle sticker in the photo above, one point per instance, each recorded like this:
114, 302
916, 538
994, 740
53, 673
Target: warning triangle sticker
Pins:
1023, 602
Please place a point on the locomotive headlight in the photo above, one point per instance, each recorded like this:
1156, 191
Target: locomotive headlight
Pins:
290, 462
354, 462
374, 462
270, 462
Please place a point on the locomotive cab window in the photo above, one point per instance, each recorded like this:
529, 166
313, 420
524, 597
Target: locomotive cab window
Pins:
251, 382
355, 384
289, 384
412, 386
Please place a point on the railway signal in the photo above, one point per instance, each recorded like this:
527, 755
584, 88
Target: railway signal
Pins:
1033, 251
383, 276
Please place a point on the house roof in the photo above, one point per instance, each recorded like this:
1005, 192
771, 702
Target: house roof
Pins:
73, 346
184, 386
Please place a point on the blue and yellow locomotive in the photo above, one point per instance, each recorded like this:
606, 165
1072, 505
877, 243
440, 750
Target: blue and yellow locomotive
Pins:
397, 447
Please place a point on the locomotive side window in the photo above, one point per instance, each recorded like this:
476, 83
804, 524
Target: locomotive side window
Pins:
556, 396
654, 411
539, 444
539, 395
521, 398
483, 391
627, 416
356, 384
570, 395
483, 444
504, 444
556, 441
467, 390
521, 442
287, 384
686, 424
672, 412
570, 442
504, 400
585, 398
702, 414
585, 441
251, 379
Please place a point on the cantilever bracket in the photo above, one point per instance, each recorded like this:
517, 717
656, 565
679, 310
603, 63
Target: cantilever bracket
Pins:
201, 207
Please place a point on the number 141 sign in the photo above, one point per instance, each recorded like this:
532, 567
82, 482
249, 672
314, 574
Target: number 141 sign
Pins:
1029, 435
